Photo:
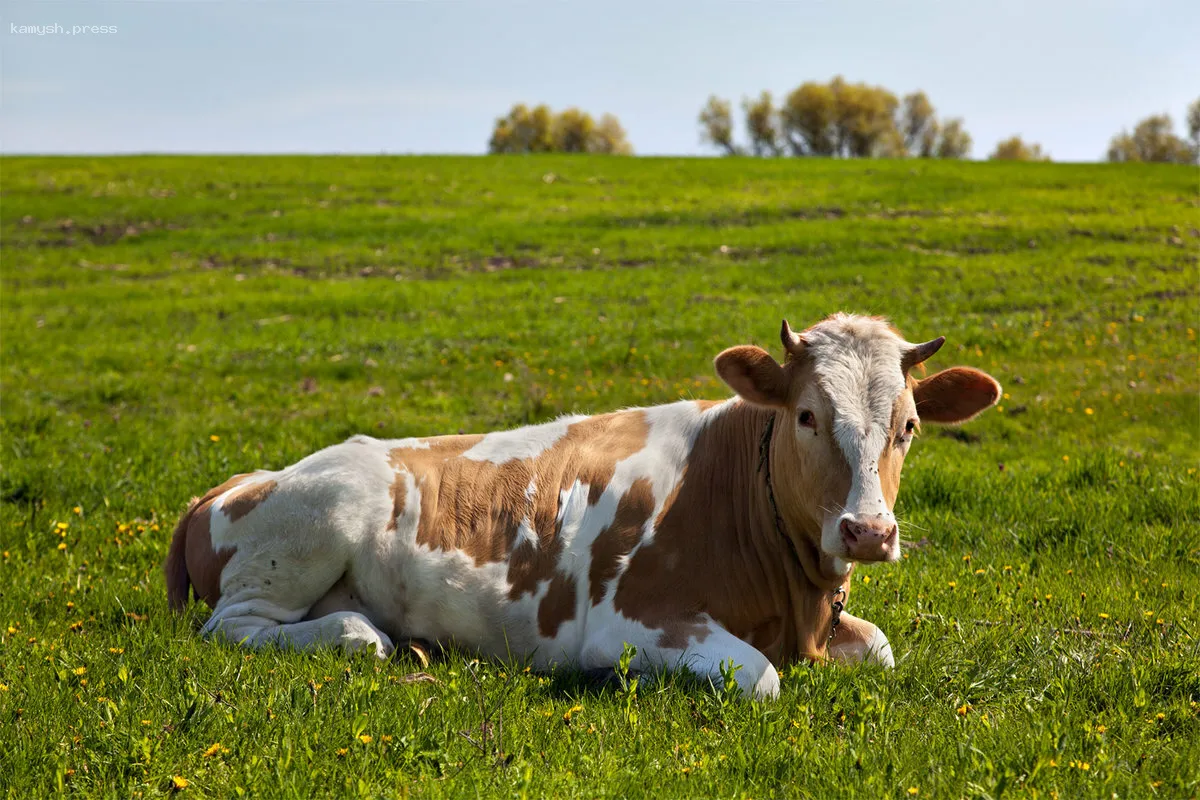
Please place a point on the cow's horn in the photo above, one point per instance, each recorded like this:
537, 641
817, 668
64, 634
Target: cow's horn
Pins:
791, 340
920, 352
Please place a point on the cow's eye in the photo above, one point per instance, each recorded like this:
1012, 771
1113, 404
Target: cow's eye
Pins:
807, 420
910, 426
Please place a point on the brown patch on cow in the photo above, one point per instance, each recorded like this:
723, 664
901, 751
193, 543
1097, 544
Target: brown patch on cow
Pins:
477, 507
603, 441
891, 461
398, 490
558, 606
716, 550
205, 564
619, 538
243, 501
531, 564
677, 633
192, 560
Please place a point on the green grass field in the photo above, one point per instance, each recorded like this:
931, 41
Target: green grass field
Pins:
169, 321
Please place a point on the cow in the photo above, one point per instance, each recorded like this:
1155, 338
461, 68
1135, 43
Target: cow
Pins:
700, 532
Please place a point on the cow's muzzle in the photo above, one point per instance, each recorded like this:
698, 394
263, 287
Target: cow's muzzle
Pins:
871, 539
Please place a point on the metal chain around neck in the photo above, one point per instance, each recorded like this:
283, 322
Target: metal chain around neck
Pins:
837, 603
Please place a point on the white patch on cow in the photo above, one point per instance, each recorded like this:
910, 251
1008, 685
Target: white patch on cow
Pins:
219, 524
521, 443
857, 363
407, 444
525, 535
673, 432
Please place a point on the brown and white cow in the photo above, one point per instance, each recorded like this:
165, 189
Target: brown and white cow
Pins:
696, 531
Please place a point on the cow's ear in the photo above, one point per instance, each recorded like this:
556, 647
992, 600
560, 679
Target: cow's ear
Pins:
752, 373
955, 395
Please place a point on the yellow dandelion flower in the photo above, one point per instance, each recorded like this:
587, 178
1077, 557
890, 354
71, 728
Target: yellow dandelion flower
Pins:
1160, 716
3, 687
365, 738
952, 584
385, 738
1066, 458
964, 709
913, 791
1103, 615
341, 752
1088, 411
214, 438
866, 578
81, 670
570, 712
212, 750
77, 509
179, 782
62, 545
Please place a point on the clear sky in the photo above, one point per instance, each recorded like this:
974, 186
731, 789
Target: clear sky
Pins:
431, 77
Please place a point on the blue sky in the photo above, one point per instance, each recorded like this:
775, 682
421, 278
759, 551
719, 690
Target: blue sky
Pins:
409, 77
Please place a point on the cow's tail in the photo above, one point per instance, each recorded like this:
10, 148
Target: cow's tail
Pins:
175, 567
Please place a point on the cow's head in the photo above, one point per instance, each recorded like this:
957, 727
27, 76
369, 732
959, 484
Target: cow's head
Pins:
848, 410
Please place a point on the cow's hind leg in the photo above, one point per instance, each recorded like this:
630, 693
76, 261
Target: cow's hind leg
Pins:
346, 629
266, 600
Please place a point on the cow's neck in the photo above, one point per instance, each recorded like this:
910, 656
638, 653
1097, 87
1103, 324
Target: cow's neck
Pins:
780, 583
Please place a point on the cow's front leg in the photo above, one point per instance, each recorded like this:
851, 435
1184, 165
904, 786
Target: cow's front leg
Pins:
700, 645
858, 640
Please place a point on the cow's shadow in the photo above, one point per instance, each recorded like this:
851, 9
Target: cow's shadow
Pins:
560, 682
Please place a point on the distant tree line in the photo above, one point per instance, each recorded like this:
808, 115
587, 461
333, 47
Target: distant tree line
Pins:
540, 130
1154, 139
1015, 148
836, 119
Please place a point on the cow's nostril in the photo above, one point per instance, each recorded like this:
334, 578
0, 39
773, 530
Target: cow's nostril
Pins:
848, 532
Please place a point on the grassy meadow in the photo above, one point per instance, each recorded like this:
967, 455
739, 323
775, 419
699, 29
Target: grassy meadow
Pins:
169, 321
